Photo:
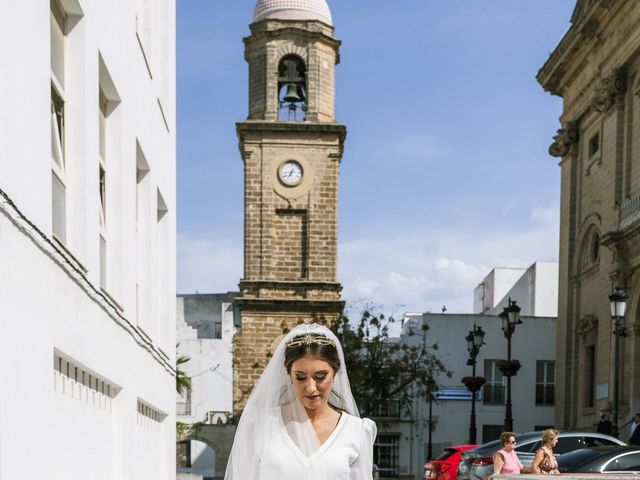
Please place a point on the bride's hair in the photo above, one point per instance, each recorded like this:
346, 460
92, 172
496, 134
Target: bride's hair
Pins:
315, 344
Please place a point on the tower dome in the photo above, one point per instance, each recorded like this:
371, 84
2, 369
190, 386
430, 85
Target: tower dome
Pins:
293, 10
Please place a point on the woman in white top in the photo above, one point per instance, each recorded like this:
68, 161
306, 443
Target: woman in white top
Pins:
301, 421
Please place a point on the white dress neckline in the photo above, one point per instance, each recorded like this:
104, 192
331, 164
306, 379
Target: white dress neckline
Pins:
311, 458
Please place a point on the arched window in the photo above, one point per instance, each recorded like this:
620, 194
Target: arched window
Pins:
292, 89
590, 248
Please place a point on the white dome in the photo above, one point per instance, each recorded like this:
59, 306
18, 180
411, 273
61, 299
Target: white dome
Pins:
293, 10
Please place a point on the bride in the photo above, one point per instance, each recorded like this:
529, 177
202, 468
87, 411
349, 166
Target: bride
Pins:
301, 421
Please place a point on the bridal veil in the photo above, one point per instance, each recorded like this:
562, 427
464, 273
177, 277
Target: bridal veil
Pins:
272, 406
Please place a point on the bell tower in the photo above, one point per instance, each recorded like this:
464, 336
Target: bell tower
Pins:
291, 147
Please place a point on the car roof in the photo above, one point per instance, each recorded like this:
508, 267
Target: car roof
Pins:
528, 437
584, 455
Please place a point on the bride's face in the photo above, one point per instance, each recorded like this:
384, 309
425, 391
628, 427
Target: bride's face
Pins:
312, 380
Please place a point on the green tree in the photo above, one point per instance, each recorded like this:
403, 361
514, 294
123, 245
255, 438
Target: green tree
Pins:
183, 381
383, 369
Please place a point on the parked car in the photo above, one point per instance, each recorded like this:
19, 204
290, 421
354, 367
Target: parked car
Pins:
445, 465
611, 459
478, 463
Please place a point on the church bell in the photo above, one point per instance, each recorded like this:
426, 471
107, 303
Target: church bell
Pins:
294, 94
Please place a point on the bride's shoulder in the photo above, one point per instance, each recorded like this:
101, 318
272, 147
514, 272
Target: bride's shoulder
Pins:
364, 425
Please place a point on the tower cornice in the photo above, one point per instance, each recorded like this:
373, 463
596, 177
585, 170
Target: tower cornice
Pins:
276, 29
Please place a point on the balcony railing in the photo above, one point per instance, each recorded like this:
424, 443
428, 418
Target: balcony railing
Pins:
389, 409
630, 211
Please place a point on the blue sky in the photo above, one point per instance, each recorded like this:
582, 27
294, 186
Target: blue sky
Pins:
445, 174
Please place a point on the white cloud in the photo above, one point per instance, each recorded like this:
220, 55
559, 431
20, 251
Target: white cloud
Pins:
419, 269
549, 214
425, 268
208, 264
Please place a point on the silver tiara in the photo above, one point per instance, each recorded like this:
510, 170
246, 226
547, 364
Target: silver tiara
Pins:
310, 339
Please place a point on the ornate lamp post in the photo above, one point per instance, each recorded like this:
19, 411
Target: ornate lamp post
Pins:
475, 340
510, 317
618, 300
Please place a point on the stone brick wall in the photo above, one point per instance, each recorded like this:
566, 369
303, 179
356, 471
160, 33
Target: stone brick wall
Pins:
595, 69
290, 232
313, 42
289, 245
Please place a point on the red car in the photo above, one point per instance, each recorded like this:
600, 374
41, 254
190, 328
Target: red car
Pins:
445, 465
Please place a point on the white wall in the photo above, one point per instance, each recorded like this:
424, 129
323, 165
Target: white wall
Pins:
50, 309
536, 291
494, 287
211, 359
205, 329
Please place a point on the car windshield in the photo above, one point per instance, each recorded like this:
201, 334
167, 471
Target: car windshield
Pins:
488, 449
446, 453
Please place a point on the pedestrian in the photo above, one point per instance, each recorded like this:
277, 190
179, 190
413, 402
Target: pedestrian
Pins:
505, 460
301, 420
604, 425
545, 463
634, 439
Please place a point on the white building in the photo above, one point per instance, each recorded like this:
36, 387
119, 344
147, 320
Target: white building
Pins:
533, 344
87, 230
205, 329
402, 443
535, 289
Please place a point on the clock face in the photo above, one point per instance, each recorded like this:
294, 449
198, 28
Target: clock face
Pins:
290, 173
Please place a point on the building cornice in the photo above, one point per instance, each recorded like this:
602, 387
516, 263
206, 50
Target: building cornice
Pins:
588, 22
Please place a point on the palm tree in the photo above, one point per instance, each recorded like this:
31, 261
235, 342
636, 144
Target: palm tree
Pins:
183, 381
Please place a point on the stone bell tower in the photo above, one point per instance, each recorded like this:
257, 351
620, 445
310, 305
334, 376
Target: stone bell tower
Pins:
291, 146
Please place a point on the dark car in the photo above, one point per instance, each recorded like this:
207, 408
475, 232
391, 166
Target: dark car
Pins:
478, 463
612, 459
445, 465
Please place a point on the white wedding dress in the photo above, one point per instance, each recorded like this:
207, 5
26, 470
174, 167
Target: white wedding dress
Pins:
275, 439
345, 455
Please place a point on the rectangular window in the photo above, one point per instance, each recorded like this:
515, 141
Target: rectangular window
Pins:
58, 20
493, 390
149, 417
386, 453
58, 167
144, 215
74, 380
590, 375
387, 409
594, 145
545, 382
491, 432
102, 186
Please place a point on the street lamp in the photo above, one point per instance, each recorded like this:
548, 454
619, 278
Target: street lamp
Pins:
475, 340
510, 317
618, 300
431, 386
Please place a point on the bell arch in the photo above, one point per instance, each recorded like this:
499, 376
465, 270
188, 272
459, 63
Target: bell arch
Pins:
292, 88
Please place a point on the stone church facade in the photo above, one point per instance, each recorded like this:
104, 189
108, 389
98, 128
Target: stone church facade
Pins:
291, 146
596, 70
